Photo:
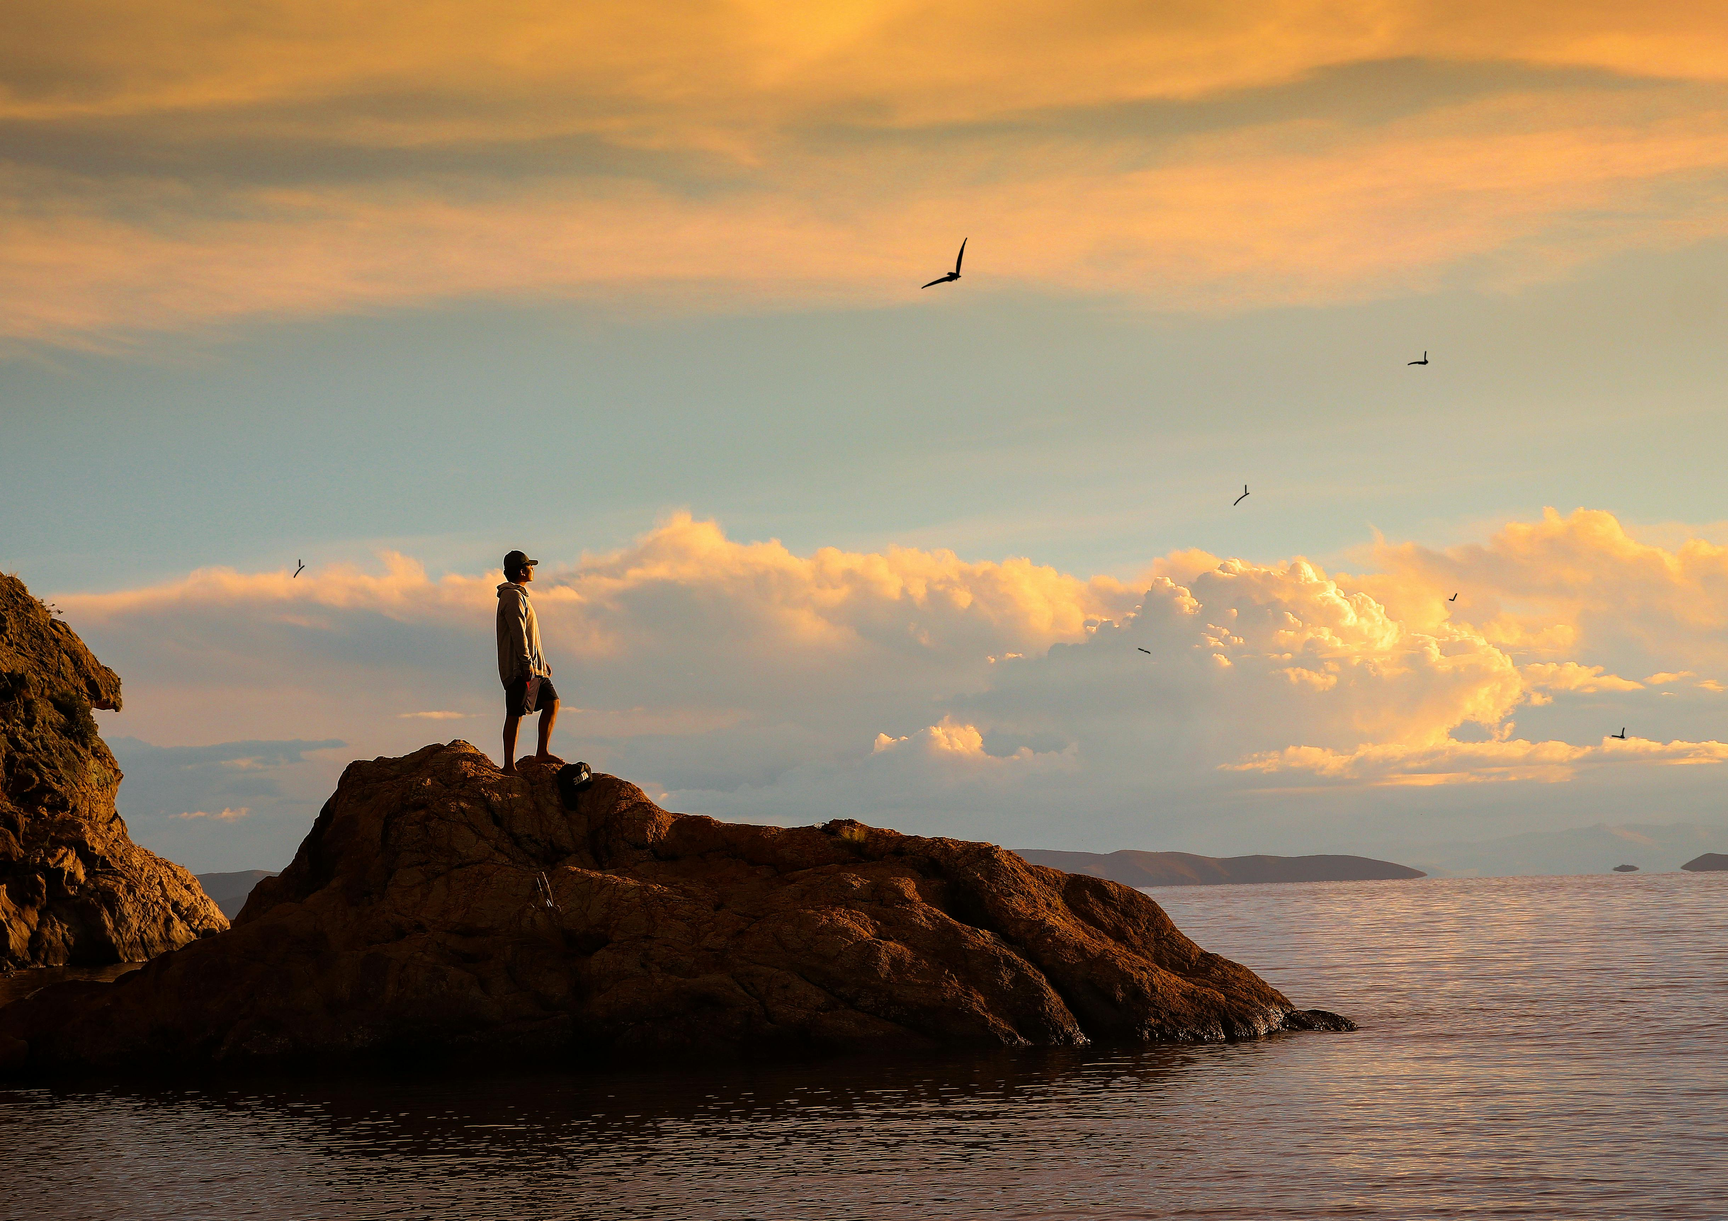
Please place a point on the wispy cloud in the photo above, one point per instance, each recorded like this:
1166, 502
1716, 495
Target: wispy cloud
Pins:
1570, 676
171, 172
226, 814
434, 716
1476, 762
262, 793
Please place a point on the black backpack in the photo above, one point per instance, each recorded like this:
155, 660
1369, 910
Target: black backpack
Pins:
572, 779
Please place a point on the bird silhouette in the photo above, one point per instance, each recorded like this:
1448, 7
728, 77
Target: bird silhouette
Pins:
1238, 500
1423, 361
955, 274
1453, 598
1621, 735
1148, 652
300, 569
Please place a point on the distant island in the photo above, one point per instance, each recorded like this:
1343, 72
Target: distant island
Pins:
1710, 862
1133, 868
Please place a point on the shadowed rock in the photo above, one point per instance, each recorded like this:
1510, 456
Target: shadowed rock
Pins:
439, 904
74, 888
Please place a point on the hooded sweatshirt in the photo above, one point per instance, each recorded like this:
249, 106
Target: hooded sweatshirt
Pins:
519, 653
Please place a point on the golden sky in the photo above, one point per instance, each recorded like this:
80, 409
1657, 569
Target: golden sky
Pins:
175, 165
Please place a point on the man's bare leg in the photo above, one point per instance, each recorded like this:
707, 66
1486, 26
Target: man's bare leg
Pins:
548, 718
510, 724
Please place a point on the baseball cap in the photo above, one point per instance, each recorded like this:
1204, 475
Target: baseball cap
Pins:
517, 559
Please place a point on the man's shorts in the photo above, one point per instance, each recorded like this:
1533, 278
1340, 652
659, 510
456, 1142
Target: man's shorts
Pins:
517, 690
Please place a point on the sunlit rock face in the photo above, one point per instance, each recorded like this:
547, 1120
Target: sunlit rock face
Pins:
439, 904
74, 888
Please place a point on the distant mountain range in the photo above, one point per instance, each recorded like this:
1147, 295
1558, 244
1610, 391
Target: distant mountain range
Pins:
1185, 869
229, 890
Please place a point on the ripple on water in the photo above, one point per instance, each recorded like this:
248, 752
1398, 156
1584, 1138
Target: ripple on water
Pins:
1531, 1047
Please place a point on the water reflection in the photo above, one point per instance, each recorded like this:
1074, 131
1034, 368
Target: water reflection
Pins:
1531, 1047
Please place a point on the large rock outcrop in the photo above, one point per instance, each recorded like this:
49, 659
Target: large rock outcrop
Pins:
74, 888
440, 904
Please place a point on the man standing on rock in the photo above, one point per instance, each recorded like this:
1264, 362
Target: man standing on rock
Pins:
522, 667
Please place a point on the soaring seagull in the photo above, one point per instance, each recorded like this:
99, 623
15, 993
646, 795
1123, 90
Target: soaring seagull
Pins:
1423, 361
1148, 652
1453, 598
1238, 500
302, 567
1621, 735
955, 274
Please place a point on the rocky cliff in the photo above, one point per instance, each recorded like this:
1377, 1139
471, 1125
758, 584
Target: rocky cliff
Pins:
438, 904
74, 888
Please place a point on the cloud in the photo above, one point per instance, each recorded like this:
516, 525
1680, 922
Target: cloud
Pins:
949, 743
1573, 586
750, 656
224, 815
434, 716
1001, 699
263, 794
172, 172
641, 65
1475, 762
1570, 676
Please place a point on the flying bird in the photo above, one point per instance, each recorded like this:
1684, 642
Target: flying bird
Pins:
1238, 500
300, 569
955, 274
1423, 361
1621, 735
1453, 598
1148, 652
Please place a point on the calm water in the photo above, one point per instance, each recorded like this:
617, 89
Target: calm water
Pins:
1531, 1047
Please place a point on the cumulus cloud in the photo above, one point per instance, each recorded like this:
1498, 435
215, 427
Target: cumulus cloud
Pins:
977, 697
1569, 587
